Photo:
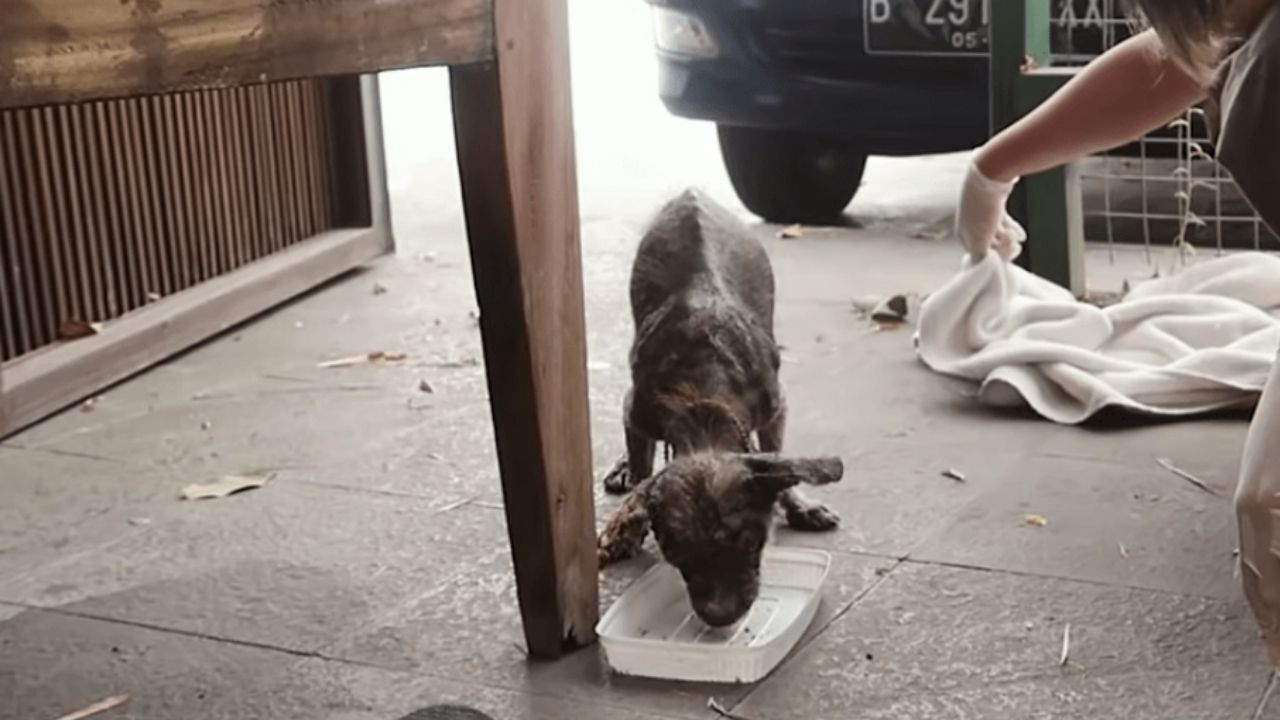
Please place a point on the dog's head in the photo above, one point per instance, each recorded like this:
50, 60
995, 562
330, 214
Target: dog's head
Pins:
711, 515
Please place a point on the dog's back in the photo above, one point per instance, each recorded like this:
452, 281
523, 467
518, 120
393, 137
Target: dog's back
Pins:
700, 256
702, 296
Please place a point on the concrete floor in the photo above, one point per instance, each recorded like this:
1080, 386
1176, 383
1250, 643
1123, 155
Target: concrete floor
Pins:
371, 577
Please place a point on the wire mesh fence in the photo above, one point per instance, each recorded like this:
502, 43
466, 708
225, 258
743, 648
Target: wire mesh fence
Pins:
1165, 191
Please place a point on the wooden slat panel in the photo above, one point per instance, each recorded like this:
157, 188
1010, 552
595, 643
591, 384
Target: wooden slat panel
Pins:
70, 50
107, 206
45, 381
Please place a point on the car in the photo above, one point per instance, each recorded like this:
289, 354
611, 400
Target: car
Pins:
803, 91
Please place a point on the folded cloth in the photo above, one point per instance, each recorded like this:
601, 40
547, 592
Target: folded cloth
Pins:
1201, 340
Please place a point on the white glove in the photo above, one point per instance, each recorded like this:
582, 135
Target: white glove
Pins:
982, 221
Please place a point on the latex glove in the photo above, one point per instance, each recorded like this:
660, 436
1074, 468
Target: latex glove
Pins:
982, 221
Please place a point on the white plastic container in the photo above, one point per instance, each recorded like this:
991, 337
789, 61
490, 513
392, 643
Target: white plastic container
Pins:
652, 631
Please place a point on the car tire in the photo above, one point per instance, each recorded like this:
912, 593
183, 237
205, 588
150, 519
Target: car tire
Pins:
790, 177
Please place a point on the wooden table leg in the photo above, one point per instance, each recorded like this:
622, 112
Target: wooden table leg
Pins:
514, 125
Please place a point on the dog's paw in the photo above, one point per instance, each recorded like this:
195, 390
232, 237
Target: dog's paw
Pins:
613, 550
618, 481
813, 518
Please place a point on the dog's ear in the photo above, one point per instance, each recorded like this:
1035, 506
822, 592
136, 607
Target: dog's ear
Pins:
774, 474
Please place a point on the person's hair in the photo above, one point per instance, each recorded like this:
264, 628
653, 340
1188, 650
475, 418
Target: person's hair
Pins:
1193, 32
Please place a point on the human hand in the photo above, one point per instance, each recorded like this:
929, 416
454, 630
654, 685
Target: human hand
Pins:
982, 221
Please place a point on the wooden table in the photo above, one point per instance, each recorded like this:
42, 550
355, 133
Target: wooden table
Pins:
509, 65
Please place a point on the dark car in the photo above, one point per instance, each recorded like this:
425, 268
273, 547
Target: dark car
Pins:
802, 91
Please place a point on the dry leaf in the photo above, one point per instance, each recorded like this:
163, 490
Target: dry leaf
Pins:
791, 232
1036, 520
954, 475
893, 309
372, 358
99, 707
1066, 646
73, 329
224, 486
344, 362
424, 386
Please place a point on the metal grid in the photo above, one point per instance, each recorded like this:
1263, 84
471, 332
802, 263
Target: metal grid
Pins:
1165, 190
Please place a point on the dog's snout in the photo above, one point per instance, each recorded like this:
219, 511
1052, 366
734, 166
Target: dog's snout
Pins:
720, 614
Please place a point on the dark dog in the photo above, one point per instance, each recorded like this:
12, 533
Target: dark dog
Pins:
711, 515
704, 371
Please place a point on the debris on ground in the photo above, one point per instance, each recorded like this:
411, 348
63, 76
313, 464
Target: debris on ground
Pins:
379, 289
99, 707
154, 297
864, 305
425, 386
1124, 552
954, 474
74, 329
894, 308
791, 232
598, 365
454, 364
139, 521
1066, 646
457, 504
1035, 520
715, 707
90, 404
206, 425
889, 313
377, 357
224, 486
1167, 465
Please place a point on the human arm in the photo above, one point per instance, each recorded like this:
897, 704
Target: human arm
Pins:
1125, 93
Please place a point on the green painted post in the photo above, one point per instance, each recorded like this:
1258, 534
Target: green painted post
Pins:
1020, 30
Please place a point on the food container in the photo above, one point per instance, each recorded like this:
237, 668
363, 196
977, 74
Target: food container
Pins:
652, 631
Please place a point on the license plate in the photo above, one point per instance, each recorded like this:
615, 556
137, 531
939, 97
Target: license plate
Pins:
927, 27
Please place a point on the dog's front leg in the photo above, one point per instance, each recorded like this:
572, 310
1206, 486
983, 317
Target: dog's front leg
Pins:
623, 537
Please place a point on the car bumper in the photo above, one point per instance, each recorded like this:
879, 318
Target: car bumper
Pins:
885, 119
801, 66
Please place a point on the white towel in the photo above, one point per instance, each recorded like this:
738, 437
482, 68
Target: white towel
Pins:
1198, 341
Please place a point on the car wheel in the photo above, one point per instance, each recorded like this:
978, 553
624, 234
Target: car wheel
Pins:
789, 177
